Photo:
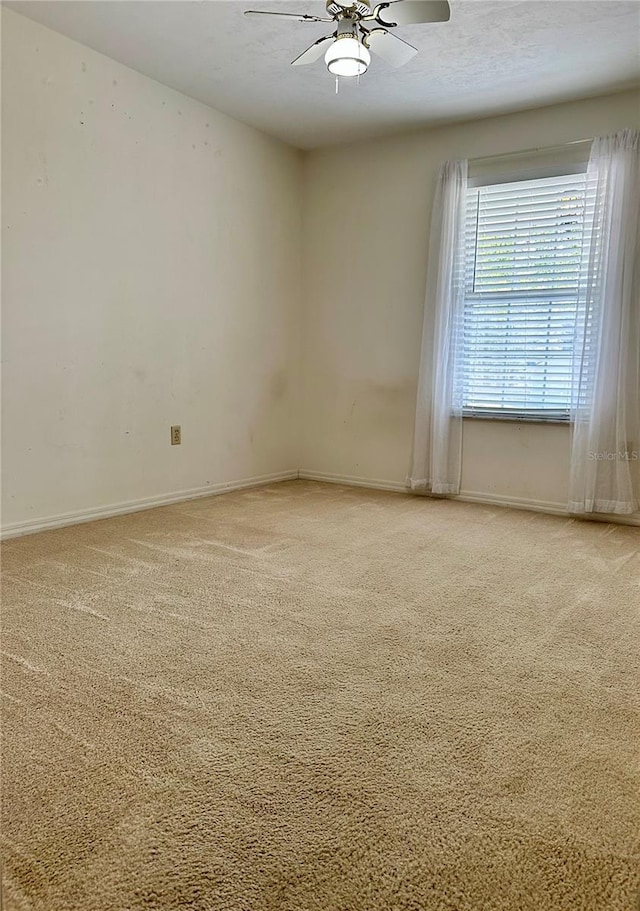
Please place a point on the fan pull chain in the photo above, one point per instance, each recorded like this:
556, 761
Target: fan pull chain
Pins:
337, 83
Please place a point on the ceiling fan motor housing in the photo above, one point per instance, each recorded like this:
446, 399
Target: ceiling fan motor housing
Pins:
359, 7
346, 28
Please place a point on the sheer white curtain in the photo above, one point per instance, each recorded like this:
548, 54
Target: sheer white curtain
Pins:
605, 457
437, 447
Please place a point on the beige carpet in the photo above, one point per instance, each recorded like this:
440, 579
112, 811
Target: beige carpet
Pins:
312, 698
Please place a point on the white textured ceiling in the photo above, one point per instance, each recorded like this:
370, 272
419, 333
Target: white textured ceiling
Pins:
493, 56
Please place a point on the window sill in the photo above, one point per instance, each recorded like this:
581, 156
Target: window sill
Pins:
512, 418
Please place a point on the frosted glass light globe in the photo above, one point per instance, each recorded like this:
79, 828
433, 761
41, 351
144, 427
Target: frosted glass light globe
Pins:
347, 57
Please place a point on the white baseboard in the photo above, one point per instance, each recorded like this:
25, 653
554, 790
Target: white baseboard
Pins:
33, 526
488, 499
351, 480
467, 496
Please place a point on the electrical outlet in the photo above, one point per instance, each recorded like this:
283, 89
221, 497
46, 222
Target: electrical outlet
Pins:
176, 435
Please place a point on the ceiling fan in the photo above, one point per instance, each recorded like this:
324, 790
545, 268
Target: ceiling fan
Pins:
362, 28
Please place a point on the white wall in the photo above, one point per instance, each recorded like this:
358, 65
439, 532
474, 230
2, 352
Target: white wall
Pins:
367, 211
151, 277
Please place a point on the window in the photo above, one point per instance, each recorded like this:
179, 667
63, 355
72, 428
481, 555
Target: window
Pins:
522, 264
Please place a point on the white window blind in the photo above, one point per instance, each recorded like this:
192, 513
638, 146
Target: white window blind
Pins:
522, 261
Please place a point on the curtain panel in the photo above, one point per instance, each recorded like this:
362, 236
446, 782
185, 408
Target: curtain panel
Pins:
436, 462
605, 452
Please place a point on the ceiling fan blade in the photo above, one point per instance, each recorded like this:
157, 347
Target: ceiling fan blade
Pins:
391, 48
299, 17
314, 52
411, 12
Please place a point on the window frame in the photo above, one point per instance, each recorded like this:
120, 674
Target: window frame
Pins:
518, 415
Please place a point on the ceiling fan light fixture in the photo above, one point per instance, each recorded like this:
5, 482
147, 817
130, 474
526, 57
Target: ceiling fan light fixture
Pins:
347, 57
